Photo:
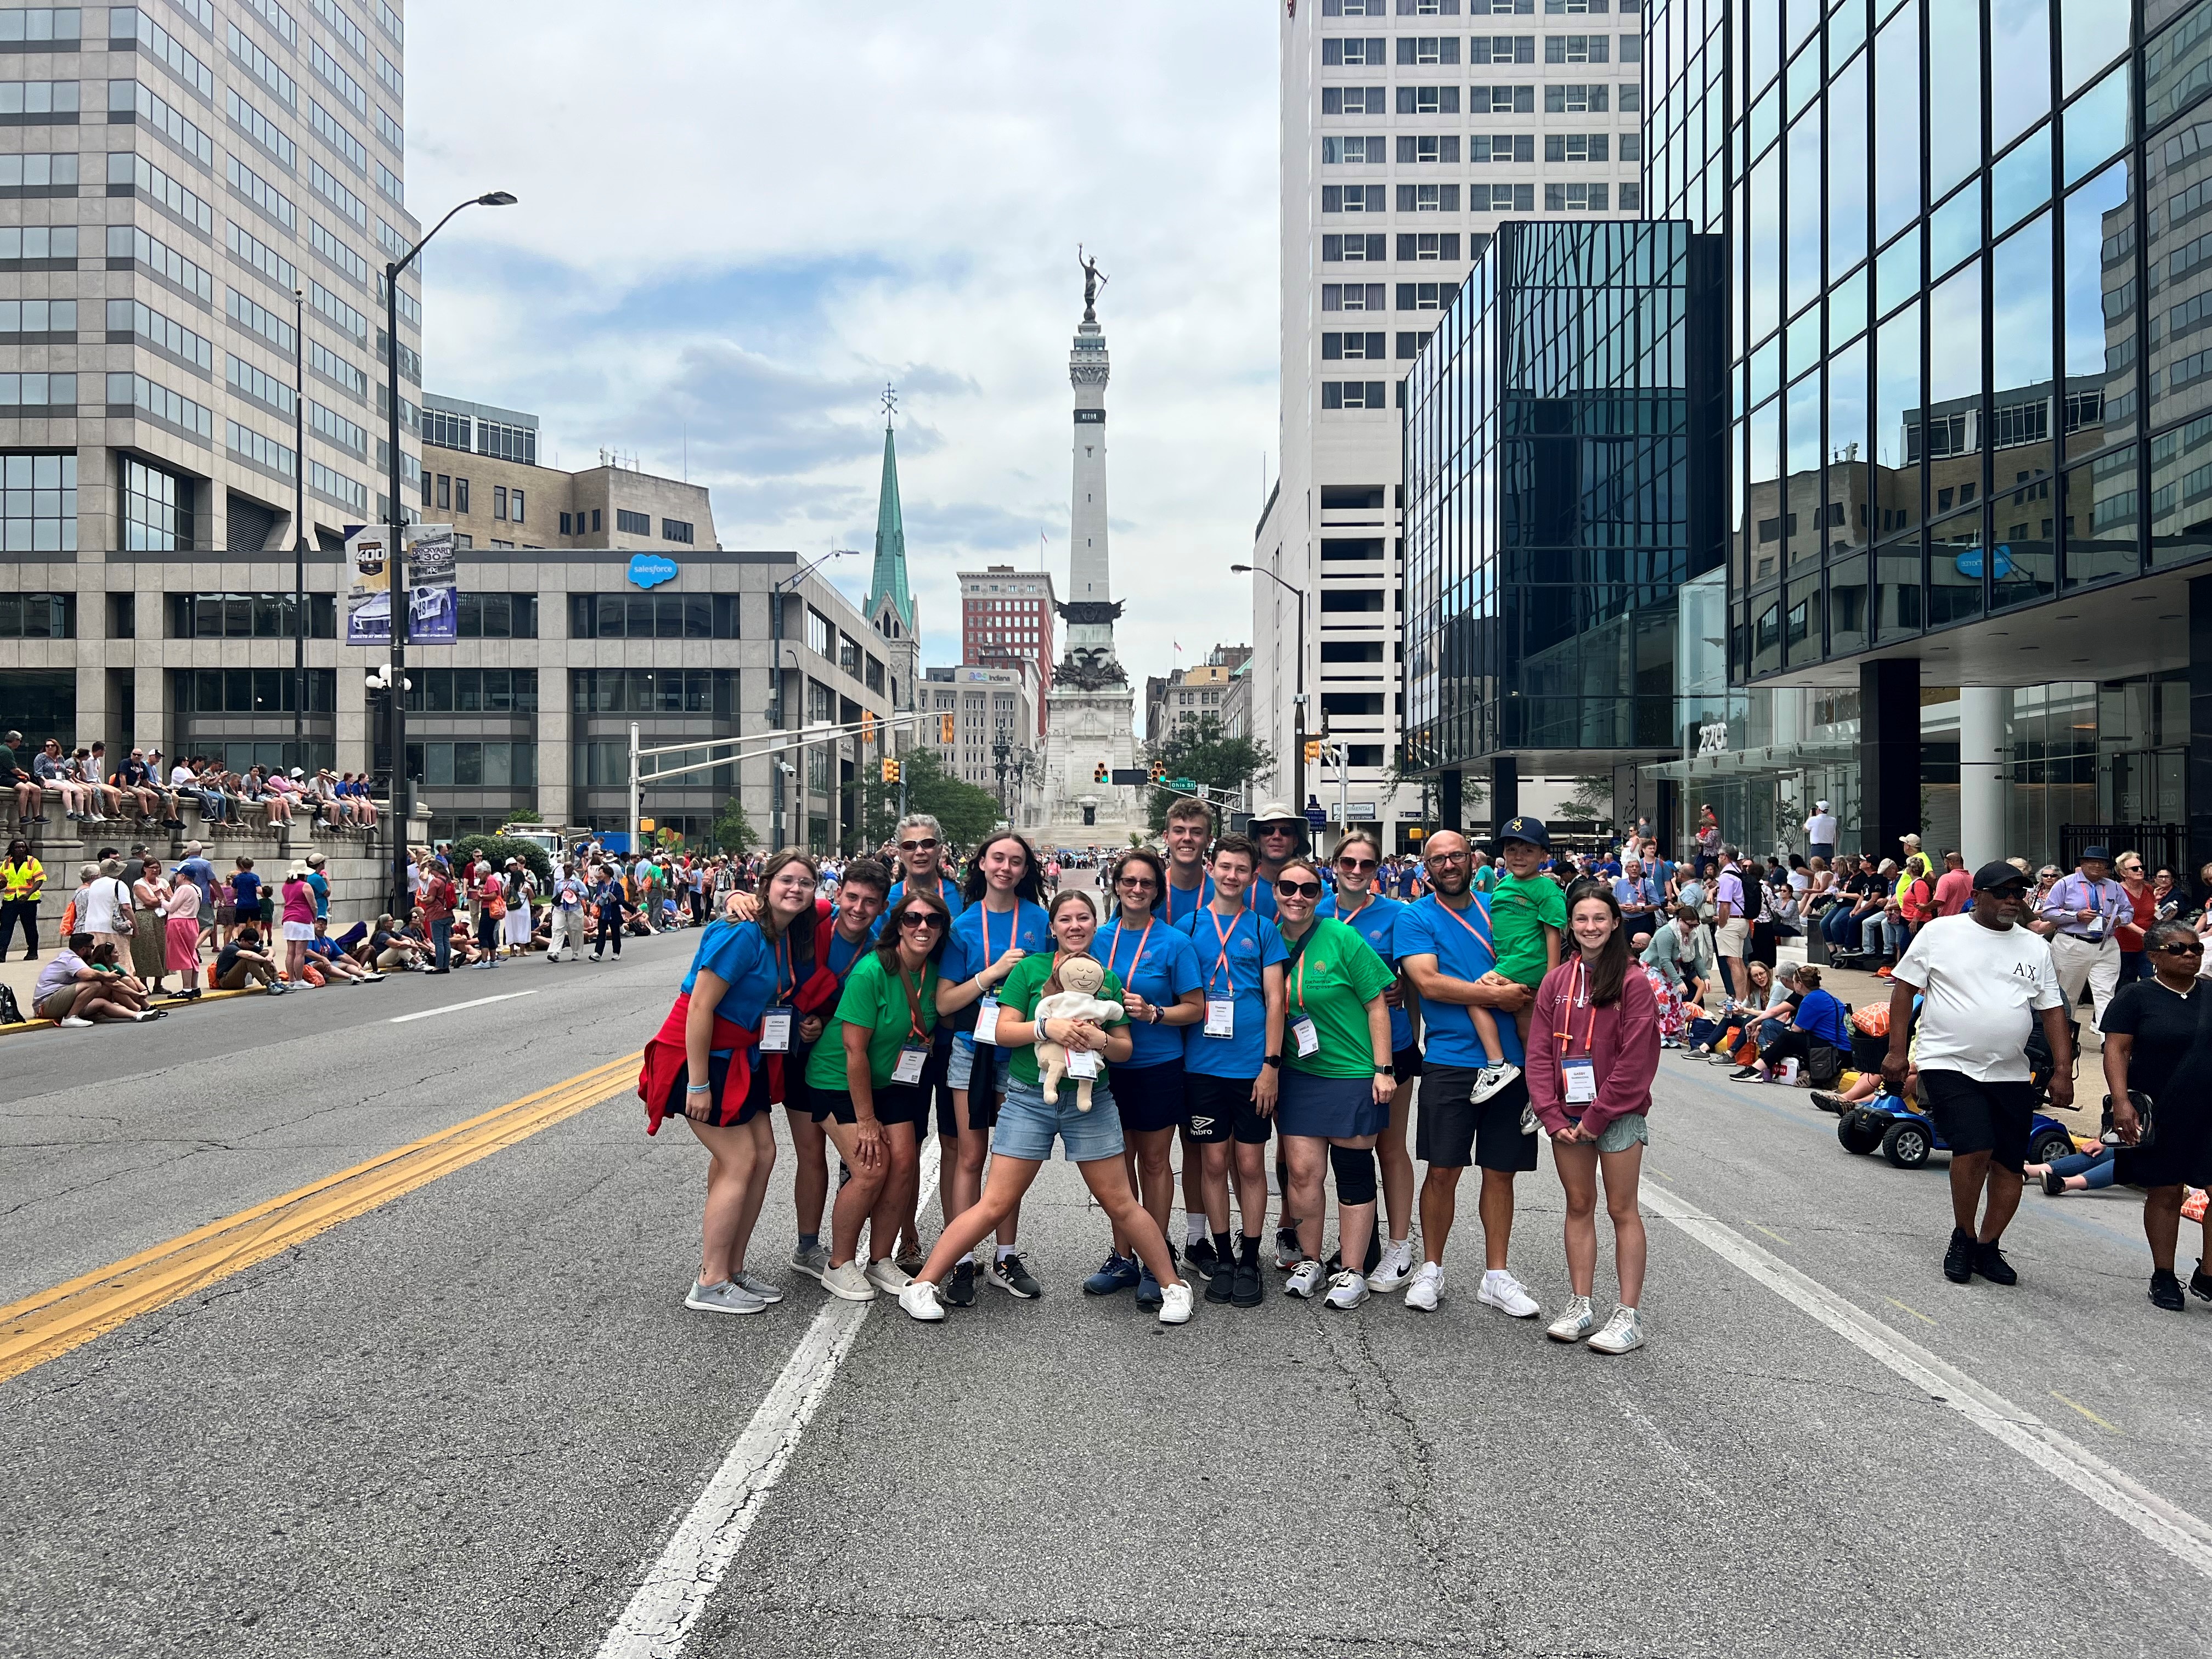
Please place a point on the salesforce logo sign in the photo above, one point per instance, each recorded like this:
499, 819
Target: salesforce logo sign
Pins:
650, 570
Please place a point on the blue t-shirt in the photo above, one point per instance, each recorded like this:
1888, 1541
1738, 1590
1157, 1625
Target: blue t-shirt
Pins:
246, 887
321, 883
947, 889
1646, 889
1160, 964
1376, 921
1026, 927
757, 975
322, 946
1252, 945
1259, 897
1821, 1016
1461, 945
201, 875
1181, 904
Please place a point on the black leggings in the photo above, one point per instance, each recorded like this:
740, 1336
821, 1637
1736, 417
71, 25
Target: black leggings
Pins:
14, 913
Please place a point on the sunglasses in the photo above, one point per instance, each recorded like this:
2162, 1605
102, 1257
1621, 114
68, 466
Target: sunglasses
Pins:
1298, 889
1355, 865
921, 919
917, 847
1279, 827
2182, 950
1137, 883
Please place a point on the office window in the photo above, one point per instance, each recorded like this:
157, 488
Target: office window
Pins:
50, 23
1351, 198
512, 443
675, 530
1577, 146
38, 103
1425, 296
1632, 198
1631, 147
1504, 198
1631, 97
1415, 49
1410, 343
514, 506
499, 502
264, 389
35, 243
246, 616
334, 132
1353, 394
1501, 147
1500, 8
37, 175
460, 494
478, 765
264, 69
1428, 147
1429, 245
35, 318
651, 691
1353, 51
1428, 198
496, 615
1428, 100
1577, 98
1353, 249
445, 491
627, 523
247, 248
1352, 100
567, 523
1575, 198
36, 616
1357, 346
1353, 296
126, 392
1501, 49
332, 367
1354, 149
445, 430
1555, 7
597, 522
1501, 100
134, 317
157, 511
332, 190
1577, 48
38, 503
1355, 7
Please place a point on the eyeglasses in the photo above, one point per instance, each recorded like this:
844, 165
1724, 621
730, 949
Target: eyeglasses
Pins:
921, 919
1298, 889
1137, 883
2182, 950
917, 847
1447, 858
1355, 865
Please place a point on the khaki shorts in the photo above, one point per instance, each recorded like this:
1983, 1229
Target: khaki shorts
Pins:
1730, 937
58, 1002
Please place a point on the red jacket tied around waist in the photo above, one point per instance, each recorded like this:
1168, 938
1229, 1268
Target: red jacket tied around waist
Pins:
1620, 1039
666, 1062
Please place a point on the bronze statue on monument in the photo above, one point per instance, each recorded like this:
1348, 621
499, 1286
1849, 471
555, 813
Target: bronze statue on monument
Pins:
1093, 279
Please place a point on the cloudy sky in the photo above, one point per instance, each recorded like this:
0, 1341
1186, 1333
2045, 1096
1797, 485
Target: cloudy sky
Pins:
738, 220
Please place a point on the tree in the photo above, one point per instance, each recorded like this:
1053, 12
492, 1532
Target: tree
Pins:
965, 813
1592, 799
522, 815
1199, 750
733, 832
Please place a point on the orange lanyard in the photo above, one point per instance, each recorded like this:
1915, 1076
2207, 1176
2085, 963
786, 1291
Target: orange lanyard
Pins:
1013, 934
1471, 929
914, 1033
1298, 989
786, 981
1221, 961
1114, 944
1581, 997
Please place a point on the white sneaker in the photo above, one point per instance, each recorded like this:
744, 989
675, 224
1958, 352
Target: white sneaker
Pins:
918, 1298
1174, 1304
1623, 1333
1396, 1268
1428, 1285
726, 1297
1305, 1279
1504, 1291
72, 1023
889, 1277
1575, 1323
1347, 1290
1492, 1078
848, 1282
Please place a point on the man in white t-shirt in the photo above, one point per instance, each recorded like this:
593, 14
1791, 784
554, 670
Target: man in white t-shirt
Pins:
1820, 832
1984, 981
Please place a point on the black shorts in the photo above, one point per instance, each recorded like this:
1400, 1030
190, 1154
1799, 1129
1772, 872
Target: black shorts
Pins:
1216, 1108
719, 1112
1150, 1096
1974, 1116
895, 1103
1452, 1131
1406, 1064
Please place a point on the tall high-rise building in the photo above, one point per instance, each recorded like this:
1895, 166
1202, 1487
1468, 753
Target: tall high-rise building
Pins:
1007, 617
1410, 130
195, 185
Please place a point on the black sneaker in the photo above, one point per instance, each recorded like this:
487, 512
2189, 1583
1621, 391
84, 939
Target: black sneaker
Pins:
1246, 1293
2200, 1282
1743, 1074
1222, 1286
2166, 1290
1200, 1259
1958, 1259
1991, 1264
1012, 1275
959, 1288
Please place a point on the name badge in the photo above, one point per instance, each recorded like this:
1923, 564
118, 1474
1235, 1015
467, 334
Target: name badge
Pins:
1082, 1063
1309, 1039
1578, 1079
910, 1062
775, 1032
1221, 1016
987, 1021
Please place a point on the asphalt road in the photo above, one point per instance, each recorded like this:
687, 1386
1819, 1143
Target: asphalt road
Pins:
468, 1421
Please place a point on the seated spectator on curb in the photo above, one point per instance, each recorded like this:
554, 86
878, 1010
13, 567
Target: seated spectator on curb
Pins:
321, 956
241, 961
75, 992
1817, 1020
386, 949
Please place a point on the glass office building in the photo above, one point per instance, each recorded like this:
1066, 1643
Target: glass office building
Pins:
1564, 479
1970, 390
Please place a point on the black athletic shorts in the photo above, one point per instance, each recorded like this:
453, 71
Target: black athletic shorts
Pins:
1216, 1108
1406, 1064
1150, 1096
720, 1111
895, 1103
1452, 1131
1975, 1116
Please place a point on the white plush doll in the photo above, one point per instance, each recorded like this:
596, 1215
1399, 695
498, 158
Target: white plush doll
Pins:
1080, 978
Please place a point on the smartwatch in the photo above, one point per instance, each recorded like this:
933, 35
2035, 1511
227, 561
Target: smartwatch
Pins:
1274, 1060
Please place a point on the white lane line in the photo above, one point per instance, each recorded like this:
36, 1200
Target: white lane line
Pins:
456, 1007
675, 1586
2173, 1529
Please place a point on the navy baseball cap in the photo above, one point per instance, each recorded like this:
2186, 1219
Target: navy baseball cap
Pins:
1531, 830
1995, 878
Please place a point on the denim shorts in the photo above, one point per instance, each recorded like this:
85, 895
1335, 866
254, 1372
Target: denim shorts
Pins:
1629, 1130
1027, 1125
962, 1065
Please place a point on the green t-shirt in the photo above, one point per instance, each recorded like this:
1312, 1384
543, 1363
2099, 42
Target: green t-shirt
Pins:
1485, 880
1021, 993
874, 999
1520, 910
1338, 974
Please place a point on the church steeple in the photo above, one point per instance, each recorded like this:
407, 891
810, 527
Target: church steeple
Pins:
887, 581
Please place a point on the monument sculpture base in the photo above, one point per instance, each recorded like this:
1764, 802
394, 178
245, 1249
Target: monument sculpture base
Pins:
1085, 730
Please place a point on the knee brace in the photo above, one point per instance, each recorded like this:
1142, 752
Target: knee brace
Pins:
1355, 1174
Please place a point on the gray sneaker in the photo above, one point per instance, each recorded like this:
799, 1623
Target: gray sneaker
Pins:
813, 1263
726, 1297
766, 1289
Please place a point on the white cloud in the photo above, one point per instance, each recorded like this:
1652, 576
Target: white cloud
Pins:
738, 221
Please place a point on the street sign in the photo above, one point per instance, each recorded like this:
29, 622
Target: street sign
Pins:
1358, 811
1316, 817
1183, 784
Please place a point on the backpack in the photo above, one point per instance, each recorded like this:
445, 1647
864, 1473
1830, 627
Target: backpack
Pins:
11, 1014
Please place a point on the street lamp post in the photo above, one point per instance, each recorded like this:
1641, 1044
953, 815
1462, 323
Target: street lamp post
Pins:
300, 527
394, 566
1298, 717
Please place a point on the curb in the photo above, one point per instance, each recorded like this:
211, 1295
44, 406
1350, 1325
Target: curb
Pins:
164, 1002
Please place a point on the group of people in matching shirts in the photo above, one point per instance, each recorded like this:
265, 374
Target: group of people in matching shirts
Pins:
1243, 999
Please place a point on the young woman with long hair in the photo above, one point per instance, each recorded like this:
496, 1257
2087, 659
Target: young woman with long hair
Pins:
1029, 1124
700, 1066
1593, 1051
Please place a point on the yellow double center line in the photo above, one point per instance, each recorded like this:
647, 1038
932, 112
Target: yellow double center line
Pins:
49, 1324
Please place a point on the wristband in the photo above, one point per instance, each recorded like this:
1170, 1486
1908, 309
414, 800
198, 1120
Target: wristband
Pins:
699, 1089
1273, 1060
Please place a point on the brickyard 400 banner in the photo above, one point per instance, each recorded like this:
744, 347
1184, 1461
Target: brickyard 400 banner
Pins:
432, 584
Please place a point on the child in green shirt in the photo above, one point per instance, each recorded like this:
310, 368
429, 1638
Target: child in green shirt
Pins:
1527, 920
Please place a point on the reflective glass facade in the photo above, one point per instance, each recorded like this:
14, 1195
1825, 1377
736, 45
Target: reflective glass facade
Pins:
1563, 477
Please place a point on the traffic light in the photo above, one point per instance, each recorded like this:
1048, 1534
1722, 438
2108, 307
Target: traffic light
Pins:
1159, 773
868, 726
891, 770
948, 728
1099, 773
1313, 750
